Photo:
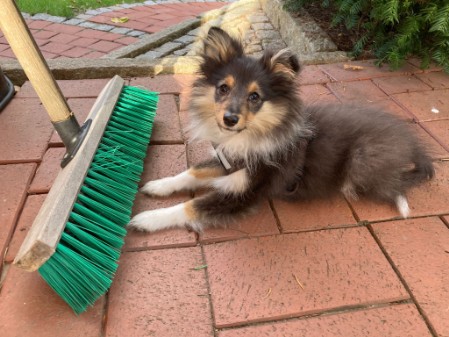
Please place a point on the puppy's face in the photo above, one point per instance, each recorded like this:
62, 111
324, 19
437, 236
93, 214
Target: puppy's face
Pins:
239, 93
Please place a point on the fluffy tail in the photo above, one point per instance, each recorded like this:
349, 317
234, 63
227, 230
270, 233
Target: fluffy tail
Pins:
424, 170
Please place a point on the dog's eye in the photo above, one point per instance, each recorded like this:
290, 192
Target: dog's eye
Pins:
223, 89
254, 97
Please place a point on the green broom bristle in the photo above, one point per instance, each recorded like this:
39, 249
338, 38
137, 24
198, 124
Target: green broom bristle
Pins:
85, 261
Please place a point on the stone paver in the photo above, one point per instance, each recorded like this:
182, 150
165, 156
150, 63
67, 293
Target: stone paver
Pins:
160, 293
419, 249
307, 215
25, 133
14, 180
426, 105
298, 274
28, 307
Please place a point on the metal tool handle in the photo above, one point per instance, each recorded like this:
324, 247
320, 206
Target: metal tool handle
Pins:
33, 63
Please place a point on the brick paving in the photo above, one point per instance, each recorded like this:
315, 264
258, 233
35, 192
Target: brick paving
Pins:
321, 268
94, 34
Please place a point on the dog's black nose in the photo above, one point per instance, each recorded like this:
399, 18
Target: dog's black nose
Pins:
230, 119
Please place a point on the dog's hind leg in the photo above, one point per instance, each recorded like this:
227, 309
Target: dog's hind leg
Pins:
196, 177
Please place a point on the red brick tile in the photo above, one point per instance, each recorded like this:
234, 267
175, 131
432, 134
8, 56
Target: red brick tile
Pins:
49, 56
419, 249
127, 40
316, 214
32, 206
422, 103
254, 280
136, 240
136, 25
8, 54
94, 55
312, 75
316, 94
76, 52
38, 24
198, 152
163, 161
159, 293
338, 72
25, 91
260, 224
103, 19
429, 198
91, 34
111, 36
55, 47
25, 131
44, 34
440, 130
164, 84
153, 29
47, 171
400, 84
4, 47
105, 46
63, 38
429, 131
393, 321
166, 124
437, 80
28, 307
357, 92
14, 180
83, 42
82, 88
65, 29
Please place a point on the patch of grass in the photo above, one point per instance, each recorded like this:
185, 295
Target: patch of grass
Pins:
66, 8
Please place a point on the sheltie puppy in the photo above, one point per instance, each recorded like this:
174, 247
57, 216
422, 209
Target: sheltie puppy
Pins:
270, 146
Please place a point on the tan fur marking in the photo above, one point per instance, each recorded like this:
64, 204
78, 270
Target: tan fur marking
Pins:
280, 68
230, 81
189, 208
253, 87
268, 117
206, 172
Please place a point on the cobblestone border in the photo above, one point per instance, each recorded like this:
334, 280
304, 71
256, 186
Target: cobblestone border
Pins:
303, 35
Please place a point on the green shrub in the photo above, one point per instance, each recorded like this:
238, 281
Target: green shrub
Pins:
394, 29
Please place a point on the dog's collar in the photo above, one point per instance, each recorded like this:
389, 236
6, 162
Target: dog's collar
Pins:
222, 158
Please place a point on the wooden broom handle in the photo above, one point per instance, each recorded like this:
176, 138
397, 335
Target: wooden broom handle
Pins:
28, 54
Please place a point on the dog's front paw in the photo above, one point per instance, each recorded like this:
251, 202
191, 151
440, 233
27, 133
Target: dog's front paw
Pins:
163, 218
159, 188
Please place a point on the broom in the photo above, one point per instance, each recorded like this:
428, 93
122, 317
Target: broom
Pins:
76, 238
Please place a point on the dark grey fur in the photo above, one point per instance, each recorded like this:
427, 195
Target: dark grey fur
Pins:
354, 150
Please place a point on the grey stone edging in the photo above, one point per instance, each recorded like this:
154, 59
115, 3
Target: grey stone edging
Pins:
77, 69
303, 35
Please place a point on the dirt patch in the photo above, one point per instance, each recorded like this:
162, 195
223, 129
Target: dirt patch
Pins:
339, 34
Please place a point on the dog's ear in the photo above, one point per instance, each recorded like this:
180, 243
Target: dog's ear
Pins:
220, 47
283, 62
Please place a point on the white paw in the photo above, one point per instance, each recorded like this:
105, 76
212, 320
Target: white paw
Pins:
163, 218
161, 187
